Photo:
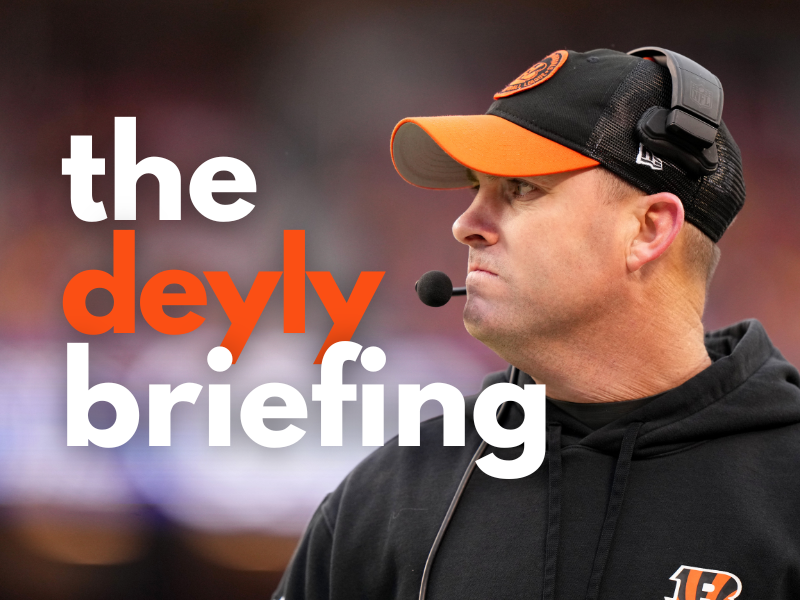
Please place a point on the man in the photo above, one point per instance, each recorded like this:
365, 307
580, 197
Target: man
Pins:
673, 457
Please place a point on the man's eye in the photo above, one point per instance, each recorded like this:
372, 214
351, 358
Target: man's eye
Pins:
521, 188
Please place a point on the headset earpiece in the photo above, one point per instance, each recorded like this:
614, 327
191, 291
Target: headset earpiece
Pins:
685, 132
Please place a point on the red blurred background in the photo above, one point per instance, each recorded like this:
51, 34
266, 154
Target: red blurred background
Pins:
307, 95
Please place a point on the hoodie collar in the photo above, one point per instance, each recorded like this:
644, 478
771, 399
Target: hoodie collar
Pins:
749, 387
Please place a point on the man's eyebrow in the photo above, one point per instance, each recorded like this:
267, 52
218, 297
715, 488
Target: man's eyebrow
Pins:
474, 178
545, 181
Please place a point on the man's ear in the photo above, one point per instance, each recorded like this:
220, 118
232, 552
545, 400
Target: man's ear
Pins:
660, 219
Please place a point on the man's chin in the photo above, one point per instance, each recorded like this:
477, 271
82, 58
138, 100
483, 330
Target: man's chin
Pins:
497, 329
480, 321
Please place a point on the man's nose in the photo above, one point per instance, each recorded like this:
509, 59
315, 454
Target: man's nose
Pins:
477, 226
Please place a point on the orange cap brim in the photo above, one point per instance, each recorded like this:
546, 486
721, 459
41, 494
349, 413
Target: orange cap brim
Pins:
435, 152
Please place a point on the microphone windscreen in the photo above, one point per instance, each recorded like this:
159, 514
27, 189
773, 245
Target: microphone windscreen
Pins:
434, 288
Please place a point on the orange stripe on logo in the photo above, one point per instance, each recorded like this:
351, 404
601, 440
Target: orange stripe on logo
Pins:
691, 584
719, 582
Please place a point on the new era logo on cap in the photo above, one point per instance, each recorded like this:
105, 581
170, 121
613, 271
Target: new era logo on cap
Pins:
647, 158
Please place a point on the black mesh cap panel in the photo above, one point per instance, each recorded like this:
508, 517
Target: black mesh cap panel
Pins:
710, 202
722, 194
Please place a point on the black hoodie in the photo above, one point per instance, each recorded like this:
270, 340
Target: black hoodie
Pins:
693, 496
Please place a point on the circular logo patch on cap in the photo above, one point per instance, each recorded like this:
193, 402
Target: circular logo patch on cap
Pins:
538, 73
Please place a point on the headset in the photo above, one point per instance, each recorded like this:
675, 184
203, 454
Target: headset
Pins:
685, 133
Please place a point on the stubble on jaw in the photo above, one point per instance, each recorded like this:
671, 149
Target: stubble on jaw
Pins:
519, 328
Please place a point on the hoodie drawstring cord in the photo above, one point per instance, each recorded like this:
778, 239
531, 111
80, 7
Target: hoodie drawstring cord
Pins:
614, 507
553, 510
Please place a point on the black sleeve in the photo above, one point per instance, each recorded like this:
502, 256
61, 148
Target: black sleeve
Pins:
308, 575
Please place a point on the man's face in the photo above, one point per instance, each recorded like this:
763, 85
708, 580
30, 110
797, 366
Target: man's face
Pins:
546, 258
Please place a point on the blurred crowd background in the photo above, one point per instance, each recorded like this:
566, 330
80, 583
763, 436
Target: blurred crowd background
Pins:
306, 94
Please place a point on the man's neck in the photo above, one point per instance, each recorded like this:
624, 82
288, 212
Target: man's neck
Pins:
621, 359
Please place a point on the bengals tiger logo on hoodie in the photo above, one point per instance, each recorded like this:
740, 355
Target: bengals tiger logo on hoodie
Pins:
705, 584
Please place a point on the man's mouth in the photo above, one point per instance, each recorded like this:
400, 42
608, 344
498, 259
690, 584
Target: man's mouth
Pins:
479, 270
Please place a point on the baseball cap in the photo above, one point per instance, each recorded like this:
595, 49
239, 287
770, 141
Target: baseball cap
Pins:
573, 110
